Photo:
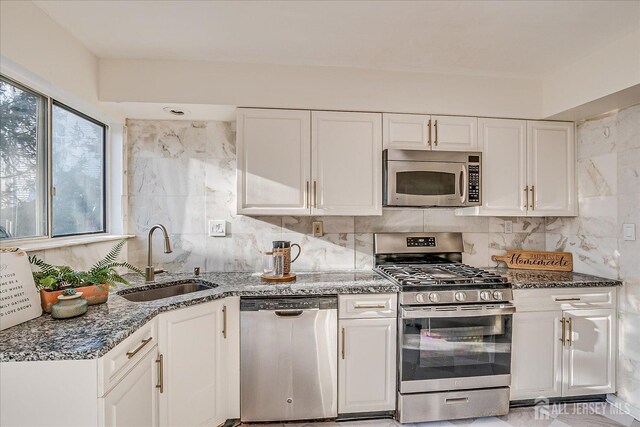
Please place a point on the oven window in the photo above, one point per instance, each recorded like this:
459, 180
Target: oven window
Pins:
435, 348
426, 183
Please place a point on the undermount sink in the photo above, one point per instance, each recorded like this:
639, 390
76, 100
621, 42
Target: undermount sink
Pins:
166, 290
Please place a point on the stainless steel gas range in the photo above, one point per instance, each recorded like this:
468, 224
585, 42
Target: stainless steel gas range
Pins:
454, 328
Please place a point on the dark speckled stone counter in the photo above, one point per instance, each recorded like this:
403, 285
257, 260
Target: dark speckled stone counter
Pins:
539, 279
104, 326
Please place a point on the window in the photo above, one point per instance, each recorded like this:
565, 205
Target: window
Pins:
67, 157
77, 159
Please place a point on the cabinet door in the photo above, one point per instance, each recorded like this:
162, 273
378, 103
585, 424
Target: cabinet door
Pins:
589, 357
347, 163
231, 346
367, 365
406, 131
191, 347
454, 133
551, 169
273, 161
134, 400
504, 171
536, 355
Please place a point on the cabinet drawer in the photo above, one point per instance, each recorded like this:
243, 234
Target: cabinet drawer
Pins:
564, 298
119, 360
367, 306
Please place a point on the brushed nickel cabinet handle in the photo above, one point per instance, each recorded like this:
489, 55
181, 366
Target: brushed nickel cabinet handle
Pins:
563, 320
435, 142
451, 400
160, 363
429, 132
315, 193
570, 339
533, 197
526, 197
358, 306
343, 342
130, 354
224, 321
567, 299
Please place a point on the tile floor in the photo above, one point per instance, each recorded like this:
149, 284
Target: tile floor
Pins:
569, 415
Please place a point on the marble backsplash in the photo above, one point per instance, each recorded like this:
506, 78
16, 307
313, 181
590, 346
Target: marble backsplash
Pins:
182, 174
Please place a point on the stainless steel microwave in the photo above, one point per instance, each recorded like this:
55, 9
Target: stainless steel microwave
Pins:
432, 178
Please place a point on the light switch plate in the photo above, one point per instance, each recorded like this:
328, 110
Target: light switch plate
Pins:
217, 228
508, 227
629, 231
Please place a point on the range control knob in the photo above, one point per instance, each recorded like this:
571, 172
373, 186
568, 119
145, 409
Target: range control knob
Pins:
420, 297
485, 296
498, 295
461, 296
434, 297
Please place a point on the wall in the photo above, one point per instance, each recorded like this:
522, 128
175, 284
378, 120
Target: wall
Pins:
182, 174
316, 87
584, 80
608, 196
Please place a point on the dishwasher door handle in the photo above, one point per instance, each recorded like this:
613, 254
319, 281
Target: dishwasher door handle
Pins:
288, 313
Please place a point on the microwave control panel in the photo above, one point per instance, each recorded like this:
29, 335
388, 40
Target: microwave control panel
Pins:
474, 183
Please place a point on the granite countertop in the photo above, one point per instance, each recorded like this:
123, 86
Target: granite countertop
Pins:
540, 279
104, 326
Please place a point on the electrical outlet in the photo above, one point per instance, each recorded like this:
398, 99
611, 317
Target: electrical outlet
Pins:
217, 228
629, 232
508, 227
317, 229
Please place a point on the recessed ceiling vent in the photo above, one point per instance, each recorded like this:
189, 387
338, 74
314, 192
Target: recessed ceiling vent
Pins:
176, 111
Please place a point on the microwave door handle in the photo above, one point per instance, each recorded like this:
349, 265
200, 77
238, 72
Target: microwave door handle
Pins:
463, 184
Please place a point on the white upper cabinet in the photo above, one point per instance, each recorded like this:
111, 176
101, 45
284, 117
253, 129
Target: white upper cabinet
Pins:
346, 163
273, 160
551, 169
451, 133
504, 166
406, 131
528, 168
424, 132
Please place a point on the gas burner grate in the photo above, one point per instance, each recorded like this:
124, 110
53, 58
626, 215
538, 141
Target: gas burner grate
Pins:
439, 274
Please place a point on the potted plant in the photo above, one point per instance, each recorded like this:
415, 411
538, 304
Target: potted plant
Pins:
94, 284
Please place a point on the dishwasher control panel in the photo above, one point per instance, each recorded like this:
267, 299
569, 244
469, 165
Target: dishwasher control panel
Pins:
304, 303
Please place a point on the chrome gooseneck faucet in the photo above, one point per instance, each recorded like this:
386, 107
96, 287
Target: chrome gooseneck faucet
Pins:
150, 271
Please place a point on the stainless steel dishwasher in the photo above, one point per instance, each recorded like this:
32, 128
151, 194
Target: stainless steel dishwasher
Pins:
288, 358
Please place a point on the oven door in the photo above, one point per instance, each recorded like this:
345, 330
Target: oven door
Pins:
425, 183
455, 347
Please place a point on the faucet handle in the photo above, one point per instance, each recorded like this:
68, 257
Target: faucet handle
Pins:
196, 271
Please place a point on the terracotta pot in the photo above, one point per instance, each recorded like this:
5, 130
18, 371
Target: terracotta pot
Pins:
94, 294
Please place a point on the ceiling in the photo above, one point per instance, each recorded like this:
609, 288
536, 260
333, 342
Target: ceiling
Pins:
524, 39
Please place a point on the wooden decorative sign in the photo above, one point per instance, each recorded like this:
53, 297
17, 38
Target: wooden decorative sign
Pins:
537, 260
19, 299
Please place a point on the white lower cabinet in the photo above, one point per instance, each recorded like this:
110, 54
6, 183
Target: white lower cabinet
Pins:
367, 354
193, 346
566, 351
134, 400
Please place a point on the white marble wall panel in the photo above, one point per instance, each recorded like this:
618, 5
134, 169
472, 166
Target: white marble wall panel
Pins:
520, 224
476, 249
628, 128
598, 176
333, 251
593, 140
629, 171
500, 242
443, 219
591, 255
80, 257
364, 258
392, 220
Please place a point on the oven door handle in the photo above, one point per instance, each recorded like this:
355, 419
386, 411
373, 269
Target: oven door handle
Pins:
417, 313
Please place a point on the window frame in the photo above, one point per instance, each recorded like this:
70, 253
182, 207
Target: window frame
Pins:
47, 195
